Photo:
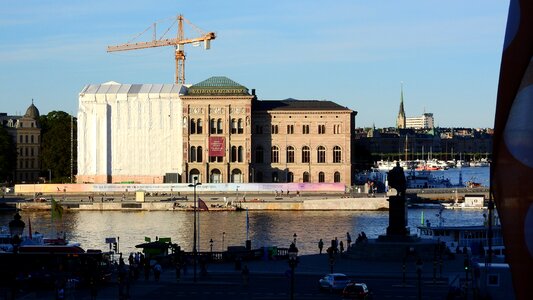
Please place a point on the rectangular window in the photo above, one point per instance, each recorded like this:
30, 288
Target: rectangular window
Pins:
290, 129
321, 129
305, 129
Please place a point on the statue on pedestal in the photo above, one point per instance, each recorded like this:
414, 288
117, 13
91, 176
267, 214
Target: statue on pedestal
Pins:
397, 181
397, 207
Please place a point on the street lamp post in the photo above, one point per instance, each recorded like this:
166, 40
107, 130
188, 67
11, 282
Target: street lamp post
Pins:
294, 238
419, 265
223, 235
211, 244
194, 252
293, 262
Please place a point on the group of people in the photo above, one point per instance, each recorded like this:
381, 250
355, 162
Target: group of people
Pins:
338, 246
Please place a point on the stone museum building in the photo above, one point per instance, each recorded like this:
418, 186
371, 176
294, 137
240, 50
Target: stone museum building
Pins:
216, 130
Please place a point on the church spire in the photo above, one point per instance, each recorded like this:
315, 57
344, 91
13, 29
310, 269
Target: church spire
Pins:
400, 121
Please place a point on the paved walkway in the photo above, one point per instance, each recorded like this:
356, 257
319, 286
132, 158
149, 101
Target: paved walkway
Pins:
319, 265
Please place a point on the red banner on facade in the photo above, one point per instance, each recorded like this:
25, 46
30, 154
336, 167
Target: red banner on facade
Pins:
217, 146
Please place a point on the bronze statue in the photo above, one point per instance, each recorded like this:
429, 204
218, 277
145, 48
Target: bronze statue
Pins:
397, 181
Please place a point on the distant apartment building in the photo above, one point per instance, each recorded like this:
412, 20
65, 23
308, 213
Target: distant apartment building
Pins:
423, 122
26, 134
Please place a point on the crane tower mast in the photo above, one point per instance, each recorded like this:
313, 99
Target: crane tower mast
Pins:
177, 42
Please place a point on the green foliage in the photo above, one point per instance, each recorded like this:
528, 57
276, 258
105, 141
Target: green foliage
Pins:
8, 156
56, 148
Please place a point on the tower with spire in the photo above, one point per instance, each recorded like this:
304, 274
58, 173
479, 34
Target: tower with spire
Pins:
400, 120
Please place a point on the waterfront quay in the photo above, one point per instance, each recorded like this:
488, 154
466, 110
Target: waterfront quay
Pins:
229, 200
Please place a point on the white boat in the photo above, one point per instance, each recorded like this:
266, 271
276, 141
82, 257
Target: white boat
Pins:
425, 179
474, 239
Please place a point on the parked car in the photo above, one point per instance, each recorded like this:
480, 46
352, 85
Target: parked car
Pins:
334, 281
355, 290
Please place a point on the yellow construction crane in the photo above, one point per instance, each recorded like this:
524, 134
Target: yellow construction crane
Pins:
177, 42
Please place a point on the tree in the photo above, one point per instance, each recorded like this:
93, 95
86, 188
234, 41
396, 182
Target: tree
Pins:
8, 156
56, 144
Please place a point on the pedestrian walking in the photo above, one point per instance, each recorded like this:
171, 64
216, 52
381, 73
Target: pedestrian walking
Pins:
178, 271
245, 275
157, 271
320, 246
341, 245
348, 239
146, 269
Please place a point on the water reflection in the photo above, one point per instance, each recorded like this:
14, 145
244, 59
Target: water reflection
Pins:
267, 228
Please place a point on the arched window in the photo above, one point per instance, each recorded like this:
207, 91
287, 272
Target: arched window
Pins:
192, 153
321, 154
233, 126
199, 126
31, 138
240, 154
274, 155
290, 177
321, 177
290, 154
219, 126
26, 139
213, 126
192, 127
306, 155
194, 173
215, 176
236, 176
337, 177
241, 126
306, 177
259, 155
199, 154
337, 154
233, 153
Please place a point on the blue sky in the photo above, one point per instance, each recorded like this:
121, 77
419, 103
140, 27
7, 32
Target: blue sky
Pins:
356, 53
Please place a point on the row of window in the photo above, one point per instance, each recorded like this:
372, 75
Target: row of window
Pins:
26, 151
305, 177
27, 164
196, 155
236, 176
27, 139
237, 154
216, 126
305, 154
321, 129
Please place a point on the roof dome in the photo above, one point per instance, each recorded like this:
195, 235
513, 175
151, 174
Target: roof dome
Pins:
32, 112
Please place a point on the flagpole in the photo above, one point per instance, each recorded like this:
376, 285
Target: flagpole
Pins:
247, 224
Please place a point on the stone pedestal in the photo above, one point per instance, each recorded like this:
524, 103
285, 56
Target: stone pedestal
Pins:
397, 217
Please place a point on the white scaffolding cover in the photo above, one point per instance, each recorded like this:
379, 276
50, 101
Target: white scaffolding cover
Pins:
130, 130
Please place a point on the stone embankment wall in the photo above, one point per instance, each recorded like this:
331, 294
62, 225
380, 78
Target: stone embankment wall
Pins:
369, 204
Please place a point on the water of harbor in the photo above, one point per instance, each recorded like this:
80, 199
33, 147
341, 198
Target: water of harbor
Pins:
227, 228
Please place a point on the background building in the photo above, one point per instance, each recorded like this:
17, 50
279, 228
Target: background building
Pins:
26, 134
423, 122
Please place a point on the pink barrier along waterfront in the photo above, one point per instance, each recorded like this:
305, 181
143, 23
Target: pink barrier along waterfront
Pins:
180, 187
